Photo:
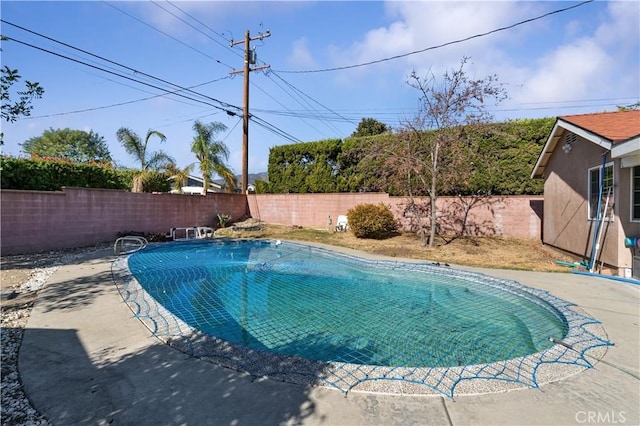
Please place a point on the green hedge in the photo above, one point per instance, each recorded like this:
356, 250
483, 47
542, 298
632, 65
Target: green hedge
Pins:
502, 154
304, 167
42, 174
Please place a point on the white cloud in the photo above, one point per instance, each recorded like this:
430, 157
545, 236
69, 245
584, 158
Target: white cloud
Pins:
220, 16
300, 56
572, 72
596, 66
419, 25
621, 29
591, 54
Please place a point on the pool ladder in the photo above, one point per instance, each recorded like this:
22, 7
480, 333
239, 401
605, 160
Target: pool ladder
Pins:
129, 244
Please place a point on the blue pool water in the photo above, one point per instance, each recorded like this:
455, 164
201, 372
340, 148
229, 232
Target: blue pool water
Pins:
293, 299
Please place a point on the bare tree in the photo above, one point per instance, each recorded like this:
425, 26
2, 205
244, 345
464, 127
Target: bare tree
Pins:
434, 150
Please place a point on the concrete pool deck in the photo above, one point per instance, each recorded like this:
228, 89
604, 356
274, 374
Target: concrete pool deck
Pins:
85, 359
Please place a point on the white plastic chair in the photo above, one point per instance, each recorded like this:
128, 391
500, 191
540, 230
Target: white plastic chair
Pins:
342, 224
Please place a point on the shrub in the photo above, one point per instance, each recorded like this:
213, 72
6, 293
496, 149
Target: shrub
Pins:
153, 181
45, 174
223, 219
51, 174
371, 221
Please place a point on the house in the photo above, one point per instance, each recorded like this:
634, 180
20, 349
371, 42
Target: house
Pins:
591, 170
195, 184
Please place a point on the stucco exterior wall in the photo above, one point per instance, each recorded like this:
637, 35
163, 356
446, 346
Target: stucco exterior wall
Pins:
567, 225
33, 221
625, 226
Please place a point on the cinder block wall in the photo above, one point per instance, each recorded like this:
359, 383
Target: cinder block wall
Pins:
33, 221
509, 216
514, 216
308, 210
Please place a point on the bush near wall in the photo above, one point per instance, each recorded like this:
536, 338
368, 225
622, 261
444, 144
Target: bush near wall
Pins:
374, 221
47, 174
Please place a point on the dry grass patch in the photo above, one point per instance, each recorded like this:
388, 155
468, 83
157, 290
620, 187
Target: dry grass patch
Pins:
487, 252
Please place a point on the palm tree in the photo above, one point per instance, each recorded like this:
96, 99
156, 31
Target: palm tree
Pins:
149, 161
212, 154
180, 176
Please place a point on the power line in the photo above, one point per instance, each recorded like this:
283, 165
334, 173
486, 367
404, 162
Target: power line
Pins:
284, 106
117, 74
221, 36
508, 27
238, 121
260, 121
274, 129
237, 53
227, 41
192, 26
246, 115
164, 33
309, 97
119, 103
135, 71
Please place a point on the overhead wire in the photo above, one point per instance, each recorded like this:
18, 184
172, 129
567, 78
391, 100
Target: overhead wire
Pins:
310, 112
228, 41
313, 113
309, 97
176, 93
438, 46
135, 71
275, 130
119, 103
263, 123
164, 33
238, 121
234, 51
284, 106
197, 29
276, 72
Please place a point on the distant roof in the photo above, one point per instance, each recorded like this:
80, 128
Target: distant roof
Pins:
616, 126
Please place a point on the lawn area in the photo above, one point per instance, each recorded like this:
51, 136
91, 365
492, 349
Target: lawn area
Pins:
487, 252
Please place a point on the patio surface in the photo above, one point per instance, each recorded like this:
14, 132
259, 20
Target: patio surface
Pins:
85, 359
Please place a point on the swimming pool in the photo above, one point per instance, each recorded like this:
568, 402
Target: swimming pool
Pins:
279, 305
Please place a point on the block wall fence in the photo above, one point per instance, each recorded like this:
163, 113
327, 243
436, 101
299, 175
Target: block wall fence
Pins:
35, 221
512, 216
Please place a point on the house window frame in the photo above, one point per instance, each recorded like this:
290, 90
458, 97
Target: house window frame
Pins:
593, 198
634, 196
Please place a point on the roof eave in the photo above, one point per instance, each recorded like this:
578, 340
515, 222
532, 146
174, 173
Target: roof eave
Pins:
552, 141
628, 152
549, 146
626, 148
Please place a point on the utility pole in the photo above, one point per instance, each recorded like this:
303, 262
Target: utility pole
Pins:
249, 59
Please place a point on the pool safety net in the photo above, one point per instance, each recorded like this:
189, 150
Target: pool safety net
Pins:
208, 314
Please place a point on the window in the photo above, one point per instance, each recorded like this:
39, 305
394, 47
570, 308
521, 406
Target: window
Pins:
607, 191
635, 193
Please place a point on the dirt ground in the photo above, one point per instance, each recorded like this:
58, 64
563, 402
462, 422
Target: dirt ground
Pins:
488, 252
19, 269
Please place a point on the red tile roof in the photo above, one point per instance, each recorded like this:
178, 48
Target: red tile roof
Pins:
616, 126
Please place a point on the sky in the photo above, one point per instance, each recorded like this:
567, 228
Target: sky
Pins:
161, 66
